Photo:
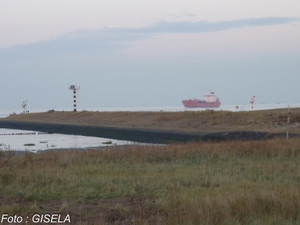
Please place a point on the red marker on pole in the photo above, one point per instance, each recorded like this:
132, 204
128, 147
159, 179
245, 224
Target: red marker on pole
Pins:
252, 101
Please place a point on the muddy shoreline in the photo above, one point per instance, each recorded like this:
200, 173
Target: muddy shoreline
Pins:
137, 135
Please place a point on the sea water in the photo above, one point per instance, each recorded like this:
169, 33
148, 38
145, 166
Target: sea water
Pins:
176, 108
181, 108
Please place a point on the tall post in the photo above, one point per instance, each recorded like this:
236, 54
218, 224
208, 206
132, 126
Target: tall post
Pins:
252, 101
74, 88
287, 128
24, 106
288, 123
74, 97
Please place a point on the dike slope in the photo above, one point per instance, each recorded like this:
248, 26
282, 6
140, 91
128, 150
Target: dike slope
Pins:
162, 127
145, 136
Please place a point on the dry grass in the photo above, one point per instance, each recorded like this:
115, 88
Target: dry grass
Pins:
190, 121
241, 182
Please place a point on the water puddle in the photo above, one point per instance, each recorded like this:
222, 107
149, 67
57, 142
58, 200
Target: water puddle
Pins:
22, 140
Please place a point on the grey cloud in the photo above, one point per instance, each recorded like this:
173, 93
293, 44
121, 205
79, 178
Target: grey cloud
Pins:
204, 26
108, 41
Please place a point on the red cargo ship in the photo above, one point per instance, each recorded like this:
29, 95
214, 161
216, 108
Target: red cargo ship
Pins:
209, 101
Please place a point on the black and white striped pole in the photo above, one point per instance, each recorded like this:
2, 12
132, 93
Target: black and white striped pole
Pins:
74, 87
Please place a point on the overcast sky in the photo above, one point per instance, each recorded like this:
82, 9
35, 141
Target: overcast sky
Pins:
148, 53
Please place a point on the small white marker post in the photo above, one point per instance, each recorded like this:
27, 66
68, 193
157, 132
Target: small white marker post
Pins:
24, 106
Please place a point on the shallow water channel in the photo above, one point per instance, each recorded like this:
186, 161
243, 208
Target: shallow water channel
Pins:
23, 140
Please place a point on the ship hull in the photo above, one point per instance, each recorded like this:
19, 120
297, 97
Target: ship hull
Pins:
200, 104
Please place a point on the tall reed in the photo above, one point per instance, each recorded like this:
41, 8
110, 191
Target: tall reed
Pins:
235, 182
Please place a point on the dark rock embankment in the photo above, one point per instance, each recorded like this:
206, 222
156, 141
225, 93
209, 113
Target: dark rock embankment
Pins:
146, 136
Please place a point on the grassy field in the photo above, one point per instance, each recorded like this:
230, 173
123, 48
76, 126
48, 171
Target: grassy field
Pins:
274, 120
229, 182
235, 182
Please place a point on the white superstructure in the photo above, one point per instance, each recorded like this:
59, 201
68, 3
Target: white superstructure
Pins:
210, 97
